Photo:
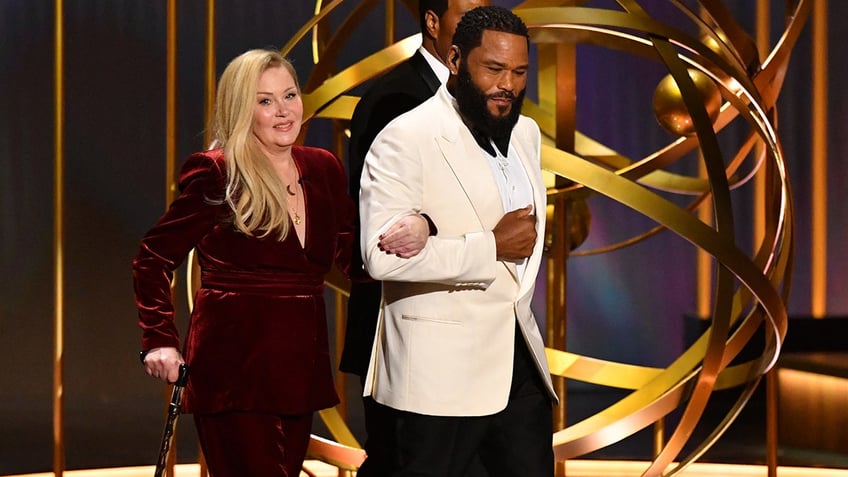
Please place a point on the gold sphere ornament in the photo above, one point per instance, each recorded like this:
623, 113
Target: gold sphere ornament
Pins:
670, 108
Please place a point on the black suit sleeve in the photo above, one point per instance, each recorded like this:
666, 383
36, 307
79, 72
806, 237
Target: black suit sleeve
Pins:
367, 123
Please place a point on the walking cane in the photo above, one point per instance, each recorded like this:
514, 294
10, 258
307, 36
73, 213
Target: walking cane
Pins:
173, 414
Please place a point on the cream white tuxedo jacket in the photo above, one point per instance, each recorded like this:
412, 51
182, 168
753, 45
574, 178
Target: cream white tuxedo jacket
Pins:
445, 337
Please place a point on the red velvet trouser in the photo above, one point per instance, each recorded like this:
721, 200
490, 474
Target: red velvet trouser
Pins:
244, 444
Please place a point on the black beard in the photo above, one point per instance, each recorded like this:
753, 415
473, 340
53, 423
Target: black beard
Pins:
472, 104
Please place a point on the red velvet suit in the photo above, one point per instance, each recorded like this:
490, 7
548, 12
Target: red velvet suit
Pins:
257, 339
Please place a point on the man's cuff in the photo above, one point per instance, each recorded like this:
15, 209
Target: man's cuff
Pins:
431, 225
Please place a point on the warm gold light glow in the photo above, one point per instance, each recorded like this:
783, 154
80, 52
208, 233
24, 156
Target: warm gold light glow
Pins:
812, 398
818, 247
826, 386
59, 240
574, 468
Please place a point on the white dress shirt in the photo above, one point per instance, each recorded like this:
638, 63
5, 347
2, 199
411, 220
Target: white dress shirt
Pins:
442, 71
513, 184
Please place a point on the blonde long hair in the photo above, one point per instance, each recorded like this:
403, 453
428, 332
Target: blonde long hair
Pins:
254, 190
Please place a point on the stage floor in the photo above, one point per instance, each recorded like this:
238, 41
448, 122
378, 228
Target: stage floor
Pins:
574, 468
123, 444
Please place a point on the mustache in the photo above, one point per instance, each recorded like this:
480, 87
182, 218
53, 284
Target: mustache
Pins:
502, 95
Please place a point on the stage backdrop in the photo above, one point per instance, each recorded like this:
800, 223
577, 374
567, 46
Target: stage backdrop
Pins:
627, 306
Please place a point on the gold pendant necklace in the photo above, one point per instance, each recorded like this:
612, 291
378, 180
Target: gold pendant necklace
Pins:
297, 219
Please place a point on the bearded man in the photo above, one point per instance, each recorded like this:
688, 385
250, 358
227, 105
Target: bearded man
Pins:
398, 91
458, 354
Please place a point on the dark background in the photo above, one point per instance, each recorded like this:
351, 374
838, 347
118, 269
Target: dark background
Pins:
627, 306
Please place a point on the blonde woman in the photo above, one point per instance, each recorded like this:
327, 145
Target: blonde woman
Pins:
268, 219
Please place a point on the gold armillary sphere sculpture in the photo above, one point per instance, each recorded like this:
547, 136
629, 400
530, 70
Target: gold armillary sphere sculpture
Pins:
715, 78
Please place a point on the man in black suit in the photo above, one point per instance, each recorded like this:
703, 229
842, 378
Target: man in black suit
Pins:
398, 91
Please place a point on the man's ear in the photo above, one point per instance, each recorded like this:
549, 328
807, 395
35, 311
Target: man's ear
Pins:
454, 59
431, 24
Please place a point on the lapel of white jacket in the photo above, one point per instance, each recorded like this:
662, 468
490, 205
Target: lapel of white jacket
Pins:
469, 166
528, 146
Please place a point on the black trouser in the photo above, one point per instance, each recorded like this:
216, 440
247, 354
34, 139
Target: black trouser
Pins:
516, 442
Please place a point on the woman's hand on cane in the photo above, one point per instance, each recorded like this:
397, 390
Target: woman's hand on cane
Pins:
163, 363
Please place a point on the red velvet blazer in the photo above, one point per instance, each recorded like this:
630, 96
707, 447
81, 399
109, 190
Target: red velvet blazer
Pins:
257, 339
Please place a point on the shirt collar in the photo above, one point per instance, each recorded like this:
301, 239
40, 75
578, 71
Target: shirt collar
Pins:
442, 72
485, 142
